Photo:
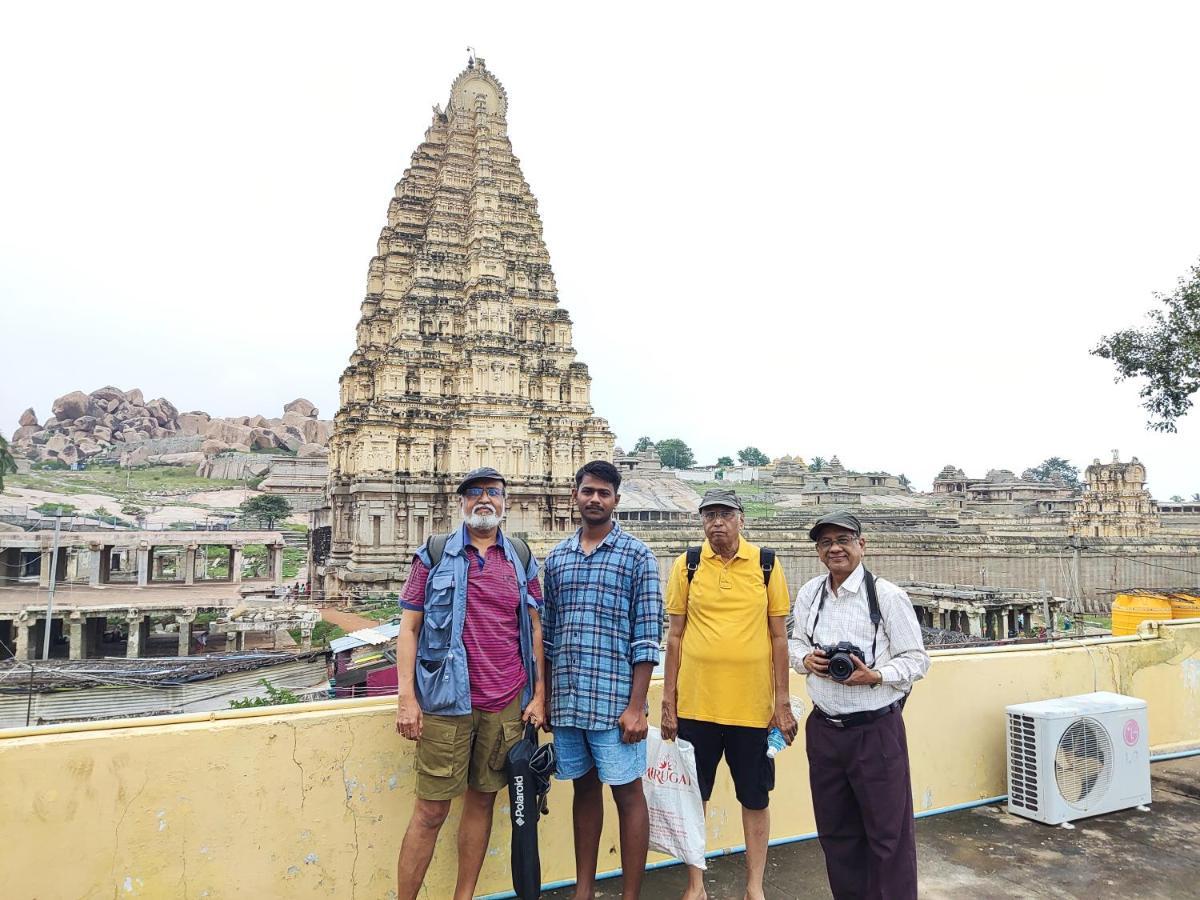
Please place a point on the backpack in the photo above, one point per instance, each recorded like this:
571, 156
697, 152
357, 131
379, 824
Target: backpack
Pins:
766, 559
436, 546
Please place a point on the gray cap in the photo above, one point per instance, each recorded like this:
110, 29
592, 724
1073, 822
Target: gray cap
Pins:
484, 473
840, 519
721, 497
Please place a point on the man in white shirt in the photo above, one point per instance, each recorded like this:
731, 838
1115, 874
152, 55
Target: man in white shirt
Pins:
857, 749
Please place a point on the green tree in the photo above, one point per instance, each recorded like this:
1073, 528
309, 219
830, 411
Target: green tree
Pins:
1175, 498
8, 465
817, 464
724, 462
1055, 468
642, 443
1166, 353
904, 482
1196, 498
752, 456
266, 506
675, 454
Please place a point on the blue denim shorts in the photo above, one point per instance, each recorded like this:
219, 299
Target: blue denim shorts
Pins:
579, 750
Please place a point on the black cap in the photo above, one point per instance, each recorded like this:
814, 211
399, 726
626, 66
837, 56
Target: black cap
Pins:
721, 497
483, 473
841, 519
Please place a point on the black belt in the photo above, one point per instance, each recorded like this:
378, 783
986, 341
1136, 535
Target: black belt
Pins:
850, 720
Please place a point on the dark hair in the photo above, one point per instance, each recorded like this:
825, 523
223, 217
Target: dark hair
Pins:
602, 469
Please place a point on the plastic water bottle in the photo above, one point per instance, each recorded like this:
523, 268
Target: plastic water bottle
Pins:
775, 743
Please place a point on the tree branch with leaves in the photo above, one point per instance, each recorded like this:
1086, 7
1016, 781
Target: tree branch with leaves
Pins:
1166, 353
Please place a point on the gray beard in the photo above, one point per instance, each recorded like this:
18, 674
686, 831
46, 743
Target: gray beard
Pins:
483, 523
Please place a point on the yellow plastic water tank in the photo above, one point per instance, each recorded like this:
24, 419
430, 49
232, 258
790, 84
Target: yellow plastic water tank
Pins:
1185, 605
1131, 609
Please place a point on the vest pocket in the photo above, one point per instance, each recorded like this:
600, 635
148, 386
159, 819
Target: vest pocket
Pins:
435, 683
439, 612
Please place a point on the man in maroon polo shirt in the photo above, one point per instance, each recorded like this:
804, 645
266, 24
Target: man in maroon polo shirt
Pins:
466, 715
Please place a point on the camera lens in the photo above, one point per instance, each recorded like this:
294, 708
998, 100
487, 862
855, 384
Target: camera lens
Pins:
840, 667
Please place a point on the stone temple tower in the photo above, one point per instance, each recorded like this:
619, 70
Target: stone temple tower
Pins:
464, 356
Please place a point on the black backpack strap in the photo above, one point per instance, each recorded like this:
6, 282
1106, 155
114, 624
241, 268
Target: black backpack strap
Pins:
692, 559
766, 559
435, 546
523, 552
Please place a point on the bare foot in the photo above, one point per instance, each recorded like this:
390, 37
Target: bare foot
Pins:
754, 895
697, 893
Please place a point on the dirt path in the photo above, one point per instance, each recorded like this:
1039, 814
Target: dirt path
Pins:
348, 622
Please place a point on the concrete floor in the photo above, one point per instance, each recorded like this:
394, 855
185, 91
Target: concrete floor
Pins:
985, 853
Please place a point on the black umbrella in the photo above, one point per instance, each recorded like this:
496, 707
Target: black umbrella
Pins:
529, 771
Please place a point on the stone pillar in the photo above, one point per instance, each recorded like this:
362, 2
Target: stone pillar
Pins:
23, 642
144, 552
75, 622
44, 572
275, 569
185, 620
975, 623
189, 564
94, 562
306, 630
139, 627
235, 563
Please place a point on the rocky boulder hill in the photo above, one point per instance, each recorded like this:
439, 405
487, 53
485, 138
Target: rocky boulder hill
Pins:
112, 423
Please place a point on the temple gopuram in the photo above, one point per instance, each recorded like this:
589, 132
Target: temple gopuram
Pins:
464, 357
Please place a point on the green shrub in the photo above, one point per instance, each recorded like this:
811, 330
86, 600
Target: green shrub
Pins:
275, 697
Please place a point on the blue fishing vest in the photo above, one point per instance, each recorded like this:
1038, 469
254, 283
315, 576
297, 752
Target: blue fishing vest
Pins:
443, 685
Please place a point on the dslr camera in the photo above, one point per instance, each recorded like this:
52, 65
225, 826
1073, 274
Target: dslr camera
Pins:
841, 666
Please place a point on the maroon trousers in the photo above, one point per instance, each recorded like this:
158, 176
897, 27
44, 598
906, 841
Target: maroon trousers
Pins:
862, 797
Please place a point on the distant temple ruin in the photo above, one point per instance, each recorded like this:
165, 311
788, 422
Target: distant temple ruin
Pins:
464, 356
1115, 502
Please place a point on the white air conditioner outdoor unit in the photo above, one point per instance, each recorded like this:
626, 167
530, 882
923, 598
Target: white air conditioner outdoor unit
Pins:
1077, 756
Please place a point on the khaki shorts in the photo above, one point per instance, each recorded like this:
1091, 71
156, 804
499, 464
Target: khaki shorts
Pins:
456, 751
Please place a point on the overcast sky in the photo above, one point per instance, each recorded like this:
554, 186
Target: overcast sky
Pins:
890, 232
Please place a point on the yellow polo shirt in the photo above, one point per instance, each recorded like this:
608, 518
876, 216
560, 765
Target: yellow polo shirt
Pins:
725, 672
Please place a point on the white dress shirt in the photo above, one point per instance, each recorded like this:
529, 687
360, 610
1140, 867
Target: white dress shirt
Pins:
900, 655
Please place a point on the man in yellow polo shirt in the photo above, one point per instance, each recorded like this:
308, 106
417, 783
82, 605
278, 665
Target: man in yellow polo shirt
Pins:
726, 679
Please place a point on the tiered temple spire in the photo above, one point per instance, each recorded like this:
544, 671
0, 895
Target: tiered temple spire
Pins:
464, 356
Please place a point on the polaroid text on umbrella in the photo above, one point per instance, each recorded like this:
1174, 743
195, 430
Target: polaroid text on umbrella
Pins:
519, 799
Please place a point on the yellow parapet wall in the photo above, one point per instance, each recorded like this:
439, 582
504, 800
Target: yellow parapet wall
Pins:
311, 801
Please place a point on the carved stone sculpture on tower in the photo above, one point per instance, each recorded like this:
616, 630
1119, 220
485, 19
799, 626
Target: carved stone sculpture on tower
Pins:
464, 357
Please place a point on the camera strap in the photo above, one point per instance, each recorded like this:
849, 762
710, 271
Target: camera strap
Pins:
872, 605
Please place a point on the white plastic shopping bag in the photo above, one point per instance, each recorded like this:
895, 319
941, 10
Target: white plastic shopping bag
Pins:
673, 796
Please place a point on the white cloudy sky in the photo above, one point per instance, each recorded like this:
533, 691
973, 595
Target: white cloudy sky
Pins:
890, 232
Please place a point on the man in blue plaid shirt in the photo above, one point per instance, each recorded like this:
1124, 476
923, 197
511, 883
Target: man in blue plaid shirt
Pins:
602, 626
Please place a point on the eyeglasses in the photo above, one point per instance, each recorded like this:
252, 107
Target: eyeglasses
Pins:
844, 541
723, 513
476, 492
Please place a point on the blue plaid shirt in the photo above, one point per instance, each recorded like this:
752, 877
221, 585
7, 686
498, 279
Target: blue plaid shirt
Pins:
602, 615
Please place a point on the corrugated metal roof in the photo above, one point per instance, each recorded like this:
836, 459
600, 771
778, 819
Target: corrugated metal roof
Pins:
303, 676
378, 634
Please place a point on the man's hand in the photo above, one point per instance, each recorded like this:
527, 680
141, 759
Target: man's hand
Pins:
817, 663
668, 722
408, 717
633, 725
861, 674
785, 721
535, 712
